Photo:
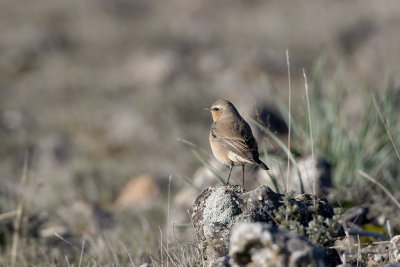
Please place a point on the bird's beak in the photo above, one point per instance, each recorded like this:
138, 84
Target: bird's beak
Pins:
207, 109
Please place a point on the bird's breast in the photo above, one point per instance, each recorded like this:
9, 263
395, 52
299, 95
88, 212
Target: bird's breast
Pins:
220, 152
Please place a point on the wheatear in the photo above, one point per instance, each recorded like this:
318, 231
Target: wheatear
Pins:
231, 139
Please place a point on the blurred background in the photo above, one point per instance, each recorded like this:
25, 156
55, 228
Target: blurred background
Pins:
95, 95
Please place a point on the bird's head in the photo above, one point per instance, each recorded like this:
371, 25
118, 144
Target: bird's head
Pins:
221, 109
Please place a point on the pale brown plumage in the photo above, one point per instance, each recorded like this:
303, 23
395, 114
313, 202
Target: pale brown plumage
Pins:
231, 138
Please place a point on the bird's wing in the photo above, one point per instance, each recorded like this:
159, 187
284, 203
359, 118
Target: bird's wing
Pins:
238, 138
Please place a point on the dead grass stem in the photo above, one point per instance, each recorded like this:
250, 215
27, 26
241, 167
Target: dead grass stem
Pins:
311, 133
18, 215
289, 120
370, 178
385, 124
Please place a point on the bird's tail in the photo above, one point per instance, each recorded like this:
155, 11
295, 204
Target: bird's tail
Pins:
262, 165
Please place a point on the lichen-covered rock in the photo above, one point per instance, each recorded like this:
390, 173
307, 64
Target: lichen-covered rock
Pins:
395, 246
371, 255
260, 244
217, 209
214, 212
221, 207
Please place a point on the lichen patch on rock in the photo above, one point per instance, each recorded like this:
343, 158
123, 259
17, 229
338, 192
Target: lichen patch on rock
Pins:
221, 208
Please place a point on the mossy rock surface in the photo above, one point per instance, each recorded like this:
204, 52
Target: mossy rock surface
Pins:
218, 209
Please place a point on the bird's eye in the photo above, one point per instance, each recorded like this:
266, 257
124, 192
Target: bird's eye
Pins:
216, 109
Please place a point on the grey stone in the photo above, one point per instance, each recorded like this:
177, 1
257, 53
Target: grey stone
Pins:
214, 212
395, 246
310, 172
217, 209
260, 244
221, 262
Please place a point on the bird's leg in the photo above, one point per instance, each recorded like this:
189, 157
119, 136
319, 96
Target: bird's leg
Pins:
243, 173
230, 171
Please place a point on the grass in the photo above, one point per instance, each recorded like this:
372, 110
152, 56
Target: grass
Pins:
347, 145
289, 152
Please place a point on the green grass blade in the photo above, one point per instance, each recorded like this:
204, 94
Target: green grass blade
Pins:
284, 148
208, 166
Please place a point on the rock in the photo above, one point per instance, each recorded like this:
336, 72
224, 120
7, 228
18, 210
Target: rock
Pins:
82, 217
356, 215
216, 210
203, 178
395, 246
371, 255
138, 192
320, 173
260, 244
49, 231
381, 254
221, 262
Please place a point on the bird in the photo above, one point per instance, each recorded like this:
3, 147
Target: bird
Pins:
231, 139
